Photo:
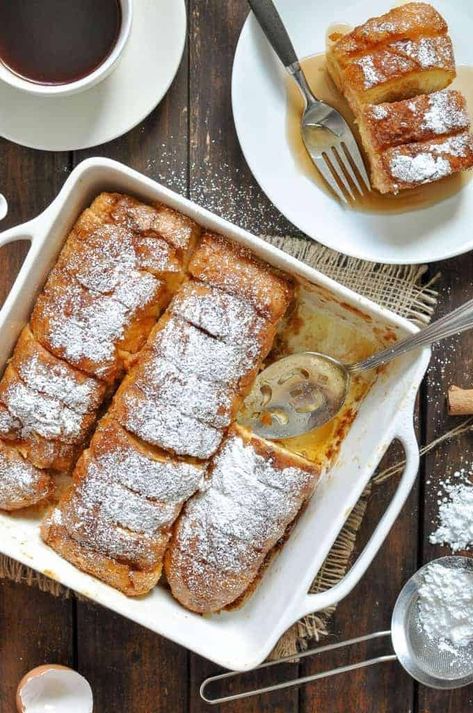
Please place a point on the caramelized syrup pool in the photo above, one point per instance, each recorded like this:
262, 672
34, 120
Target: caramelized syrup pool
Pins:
57, 41
374, 202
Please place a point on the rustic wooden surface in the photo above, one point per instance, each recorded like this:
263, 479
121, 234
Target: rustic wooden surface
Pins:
189, 143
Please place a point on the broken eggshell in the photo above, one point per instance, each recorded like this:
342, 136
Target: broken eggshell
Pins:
54, 689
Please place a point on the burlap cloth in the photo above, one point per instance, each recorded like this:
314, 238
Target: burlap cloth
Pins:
401, 289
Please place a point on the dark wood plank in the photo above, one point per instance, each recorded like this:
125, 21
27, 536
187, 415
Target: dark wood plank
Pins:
130, 669
36, 627
220, 178
383, 688
452, 364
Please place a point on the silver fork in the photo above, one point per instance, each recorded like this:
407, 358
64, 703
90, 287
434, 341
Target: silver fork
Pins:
326, 135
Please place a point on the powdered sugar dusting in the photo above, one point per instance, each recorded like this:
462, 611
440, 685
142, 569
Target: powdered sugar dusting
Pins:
232, 525
219, 313
372, 76
159, 423
379, 112
121, 506
445, 606
82, 325
58, 381
422, 168
166, 480
126, 501
41, 414
444, 115
198, 353
405, 56
455, 502
19, 480
106, 263
428, 52
207, 401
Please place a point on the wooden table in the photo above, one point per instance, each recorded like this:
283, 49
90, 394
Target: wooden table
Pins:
189, 144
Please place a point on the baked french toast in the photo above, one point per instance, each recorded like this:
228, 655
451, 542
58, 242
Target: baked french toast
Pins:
393, 71
112, 279
416, 141
395, 56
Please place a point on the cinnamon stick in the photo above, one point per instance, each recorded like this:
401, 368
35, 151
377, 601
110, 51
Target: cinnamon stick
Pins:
460, 401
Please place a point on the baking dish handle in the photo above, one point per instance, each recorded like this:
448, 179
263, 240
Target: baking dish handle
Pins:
315, 602
24, 231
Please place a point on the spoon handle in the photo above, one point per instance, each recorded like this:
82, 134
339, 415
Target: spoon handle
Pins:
454, 322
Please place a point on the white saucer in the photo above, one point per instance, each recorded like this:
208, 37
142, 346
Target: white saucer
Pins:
259, 109
114, 106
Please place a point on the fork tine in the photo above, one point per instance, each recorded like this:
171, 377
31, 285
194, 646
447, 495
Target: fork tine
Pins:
337, 166
351, 147
344, 161
323, 168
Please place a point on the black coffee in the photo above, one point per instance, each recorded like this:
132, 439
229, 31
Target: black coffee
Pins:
57, 41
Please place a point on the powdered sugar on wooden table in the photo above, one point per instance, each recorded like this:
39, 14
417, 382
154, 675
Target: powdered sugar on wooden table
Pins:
455, 513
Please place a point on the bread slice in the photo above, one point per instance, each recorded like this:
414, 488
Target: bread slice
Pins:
125, 499
223, 315
91, 331
231, 268
256, 489
151, 224
416, 141
398, 55
159, 423
21, 484
42, 371
43, 428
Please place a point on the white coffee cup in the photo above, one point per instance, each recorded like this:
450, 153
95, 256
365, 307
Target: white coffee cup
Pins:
102, 71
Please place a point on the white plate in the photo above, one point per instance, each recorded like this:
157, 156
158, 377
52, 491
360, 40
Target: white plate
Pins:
114, 106
259, 109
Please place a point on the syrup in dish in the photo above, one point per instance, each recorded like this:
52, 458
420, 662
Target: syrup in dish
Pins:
314, 327
373, 202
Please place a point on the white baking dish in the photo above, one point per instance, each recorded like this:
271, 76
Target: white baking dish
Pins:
242, 638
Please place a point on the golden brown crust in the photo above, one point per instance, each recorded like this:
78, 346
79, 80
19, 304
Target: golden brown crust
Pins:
41, 370
411, 165
225, 265
223, 315
416, 141
125, 498
422, 118
21, 484
406, 22
100, 302
396, 56
152, 221
224, 533
130, 581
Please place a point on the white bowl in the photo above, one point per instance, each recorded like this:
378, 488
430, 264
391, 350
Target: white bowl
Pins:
102, 71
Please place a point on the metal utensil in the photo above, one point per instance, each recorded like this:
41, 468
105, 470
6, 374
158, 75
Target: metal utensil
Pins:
303, 391
420, 656
326, 135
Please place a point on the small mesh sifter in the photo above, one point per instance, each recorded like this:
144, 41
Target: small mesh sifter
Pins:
420, 656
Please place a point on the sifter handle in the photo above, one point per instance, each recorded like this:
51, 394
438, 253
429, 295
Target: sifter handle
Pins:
303, 679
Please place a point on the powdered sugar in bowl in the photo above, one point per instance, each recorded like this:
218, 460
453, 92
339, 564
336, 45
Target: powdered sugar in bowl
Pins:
431, 634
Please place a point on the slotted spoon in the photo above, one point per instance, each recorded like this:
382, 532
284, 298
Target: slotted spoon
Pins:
303, 391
